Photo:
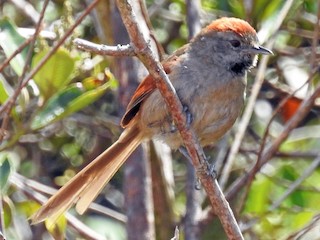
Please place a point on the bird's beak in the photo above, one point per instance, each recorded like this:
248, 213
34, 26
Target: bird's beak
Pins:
260, 50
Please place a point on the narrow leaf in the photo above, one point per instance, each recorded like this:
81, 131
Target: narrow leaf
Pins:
67, 102
5, 171
55, 74
10, 40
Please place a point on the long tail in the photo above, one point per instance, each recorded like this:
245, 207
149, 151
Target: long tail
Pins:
87, 184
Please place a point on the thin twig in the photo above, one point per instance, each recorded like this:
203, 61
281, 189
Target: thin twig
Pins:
269, 152
193, 203
256, 167
44, 189
15, 53
254, 94
314, 223
5, 120
311, 168
176, 234
116, 51
20, 182
308, 155
315, 39
47, 56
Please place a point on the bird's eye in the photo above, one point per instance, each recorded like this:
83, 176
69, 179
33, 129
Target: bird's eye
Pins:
235, 43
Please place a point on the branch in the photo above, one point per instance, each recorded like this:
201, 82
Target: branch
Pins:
15, 53
251, 102
116, 51
143, 51
268, 153
22, 183
191, 142
5, 121
176, 234
193, 195
10, 102
313, 166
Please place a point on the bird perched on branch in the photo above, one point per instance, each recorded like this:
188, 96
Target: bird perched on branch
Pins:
209, 76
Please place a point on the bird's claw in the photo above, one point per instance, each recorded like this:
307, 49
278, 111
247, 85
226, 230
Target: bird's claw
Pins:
197, 184
208, 168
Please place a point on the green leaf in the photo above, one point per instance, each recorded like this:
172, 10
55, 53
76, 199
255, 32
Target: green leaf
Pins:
5, 89
67, 102
55, 74
258, 199
57, 229
5, 171
299, 219
8, 210
10, 40
5, 92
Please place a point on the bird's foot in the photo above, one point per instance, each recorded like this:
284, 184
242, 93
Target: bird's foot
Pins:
185, 153
189, 120
207, 168
189, 117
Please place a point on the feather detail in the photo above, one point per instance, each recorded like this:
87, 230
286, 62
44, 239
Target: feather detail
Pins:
146, 87
87, 184
236, 25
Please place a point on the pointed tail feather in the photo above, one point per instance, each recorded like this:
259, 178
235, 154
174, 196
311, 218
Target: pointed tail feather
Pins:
87, 184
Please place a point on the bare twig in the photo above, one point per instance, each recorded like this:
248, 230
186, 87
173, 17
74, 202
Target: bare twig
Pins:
21, 183
296, 183
193, 17
211, 186
117, 51
44, 189
176, 234
15, 53
290, 155
193, 203
302, 232
315, 39
25, 81
5, 120
267, 154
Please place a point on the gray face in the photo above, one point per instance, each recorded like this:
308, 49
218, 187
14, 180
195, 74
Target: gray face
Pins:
229, 51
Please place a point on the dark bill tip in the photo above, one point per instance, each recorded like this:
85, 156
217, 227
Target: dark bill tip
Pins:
262, 50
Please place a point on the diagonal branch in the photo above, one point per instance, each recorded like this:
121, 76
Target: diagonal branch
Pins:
268, 153
23, 184
143, 51
27, 78
191, 142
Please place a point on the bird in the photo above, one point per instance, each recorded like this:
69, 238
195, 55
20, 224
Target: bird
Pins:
209, 76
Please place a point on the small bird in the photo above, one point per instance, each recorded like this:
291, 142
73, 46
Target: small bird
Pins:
209, 76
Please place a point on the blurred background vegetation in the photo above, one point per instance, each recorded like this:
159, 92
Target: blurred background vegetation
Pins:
69, 112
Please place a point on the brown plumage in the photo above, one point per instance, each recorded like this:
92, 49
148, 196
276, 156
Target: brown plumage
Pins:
209, 75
